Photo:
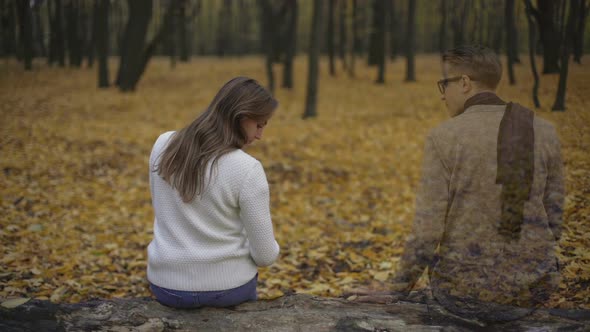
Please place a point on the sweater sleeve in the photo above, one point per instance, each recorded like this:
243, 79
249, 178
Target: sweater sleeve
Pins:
431, 208
254, 201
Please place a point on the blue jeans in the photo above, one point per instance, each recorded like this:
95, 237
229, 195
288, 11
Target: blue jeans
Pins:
223, 298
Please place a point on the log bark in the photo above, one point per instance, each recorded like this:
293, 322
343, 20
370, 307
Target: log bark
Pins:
298, 312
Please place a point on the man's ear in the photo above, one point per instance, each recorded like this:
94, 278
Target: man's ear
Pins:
466, 84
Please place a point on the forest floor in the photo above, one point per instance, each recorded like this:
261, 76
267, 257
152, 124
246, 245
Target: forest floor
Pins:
75, 206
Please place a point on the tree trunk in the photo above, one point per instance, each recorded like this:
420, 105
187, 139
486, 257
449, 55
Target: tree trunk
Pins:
376, 37
578, 46
342, 42
550, 38
267, 39
243, 26
497, 33
532, 51
158, 38
510, 28
73, 28
442, 39
290, 45
171, 40
223, 32
480, 24
101, 8
184, 27
314, 52
567, 39
360, 21
40, 49
516, 47
52, 52
121, 27
298, 312
380, 39
87, 34
354, 38
8, 25
330, 37
25, 22
132, 52
410, 42
472, 28
394, 36
459, 20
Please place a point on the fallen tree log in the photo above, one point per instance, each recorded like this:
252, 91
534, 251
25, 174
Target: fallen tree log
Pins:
297, 312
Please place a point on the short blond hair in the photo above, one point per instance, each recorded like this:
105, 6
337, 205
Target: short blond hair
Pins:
480, 63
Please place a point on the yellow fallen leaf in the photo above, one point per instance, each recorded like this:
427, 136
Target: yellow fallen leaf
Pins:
381, 276
58, 293
13, 303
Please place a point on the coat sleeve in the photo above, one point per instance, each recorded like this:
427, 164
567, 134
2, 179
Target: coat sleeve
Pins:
553, 197
431, 209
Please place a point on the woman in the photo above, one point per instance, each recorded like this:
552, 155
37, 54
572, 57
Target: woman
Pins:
212, 225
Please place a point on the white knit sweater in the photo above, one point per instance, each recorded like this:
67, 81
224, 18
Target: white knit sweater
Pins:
216, 241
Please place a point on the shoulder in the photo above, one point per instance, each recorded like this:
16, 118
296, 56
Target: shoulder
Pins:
163, 140
543, 125
161, 143
238, 155
239, 161
165, 137
443, 130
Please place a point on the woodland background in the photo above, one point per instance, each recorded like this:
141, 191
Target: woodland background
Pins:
87, 86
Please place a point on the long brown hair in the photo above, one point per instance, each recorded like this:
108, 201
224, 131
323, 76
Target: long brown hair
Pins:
212, 134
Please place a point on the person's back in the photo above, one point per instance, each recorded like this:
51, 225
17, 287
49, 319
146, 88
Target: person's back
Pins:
489, 206
205, 237
212, 226
475, 260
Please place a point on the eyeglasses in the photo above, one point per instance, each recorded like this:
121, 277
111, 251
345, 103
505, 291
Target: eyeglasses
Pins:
442, 84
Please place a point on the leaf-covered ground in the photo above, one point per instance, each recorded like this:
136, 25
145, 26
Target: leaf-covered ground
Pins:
75, 210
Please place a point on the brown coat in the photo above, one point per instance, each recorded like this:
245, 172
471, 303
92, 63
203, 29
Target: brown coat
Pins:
458, 211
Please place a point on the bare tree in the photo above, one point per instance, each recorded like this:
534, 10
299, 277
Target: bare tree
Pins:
510, 29
73, 29
394, 35
101, 8
314, 52
330, 37
532, 51
378, 39
290, 43
567, 38
272, 36
342, 43
57, 49
578, 46
411, 42
224, 38
140, 13
25, 22
459, 20
442, 39
354, 38
550, 38
8, 40
38, 33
